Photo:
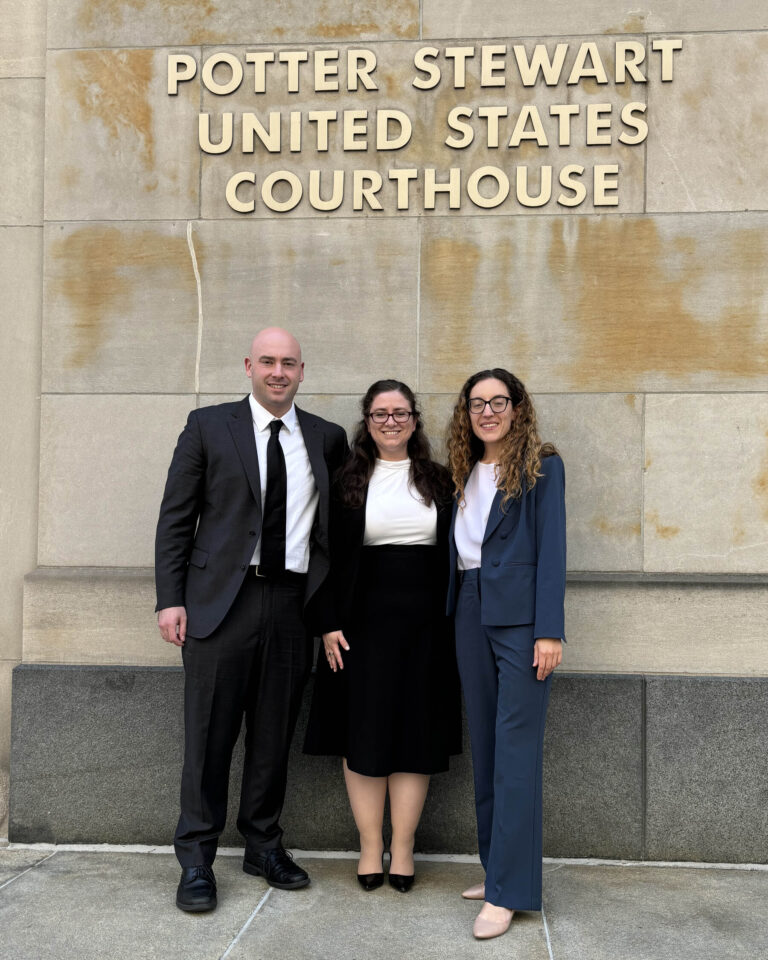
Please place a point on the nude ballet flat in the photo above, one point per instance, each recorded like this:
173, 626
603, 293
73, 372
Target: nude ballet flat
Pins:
487, 929
474, 893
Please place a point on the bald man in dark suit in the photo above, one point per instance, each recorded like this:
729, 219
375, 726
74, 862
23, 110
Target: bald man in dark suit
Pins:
241, 549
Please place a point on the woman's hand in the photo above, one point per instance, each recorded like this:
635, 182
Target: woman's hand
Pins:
332, 641
547, 655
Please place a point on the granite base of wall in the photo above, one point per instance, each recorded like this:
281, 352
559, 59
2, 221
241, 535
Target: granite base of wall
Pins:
666, 768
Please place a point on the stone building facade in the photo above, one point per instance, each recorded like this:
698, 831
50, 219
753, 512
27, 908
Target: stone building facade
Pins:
601, 230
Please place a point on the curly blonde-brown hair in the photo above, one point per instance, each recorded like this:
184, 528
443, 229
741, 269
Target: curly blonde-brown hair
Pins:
522, 449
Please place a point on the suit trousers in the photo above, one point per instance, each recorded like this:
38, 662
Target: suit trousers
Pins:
253, 666
506, 709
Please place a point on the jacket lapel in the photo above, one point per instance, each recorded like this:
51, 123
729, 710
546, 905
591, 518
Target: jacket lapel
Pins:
445, 515
241, 427
314, 441
355, 517
495, 516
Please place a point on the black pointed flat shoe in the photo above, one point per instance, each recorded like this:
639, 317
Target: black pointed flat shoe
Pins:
401, 882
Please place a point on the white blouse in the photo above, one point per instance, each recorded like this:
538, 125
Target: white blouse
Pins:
472, 518
395, 512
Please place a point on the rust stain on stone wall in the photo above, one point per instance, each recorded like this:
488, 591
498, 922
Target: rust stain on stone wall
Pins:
627, 293
113, 87
450, 275
461, 281
665, 531
517, 349
612, 528
339, 31
399, 17
528, 152
93, 13
760, 485
590, 85
635, 23
503, 254
685, 245
70, 176
97, 269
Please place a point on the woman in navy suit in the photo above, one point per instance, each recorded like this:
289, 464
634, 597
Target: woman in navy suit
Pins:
507, 586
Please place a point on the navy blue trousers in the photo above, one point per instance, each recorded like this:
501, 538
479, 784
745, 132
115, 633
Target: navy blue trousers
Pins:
506, 709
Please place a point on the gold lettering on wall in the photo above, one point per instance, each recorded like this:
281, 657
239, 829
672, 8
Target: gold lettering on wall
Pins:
504, 147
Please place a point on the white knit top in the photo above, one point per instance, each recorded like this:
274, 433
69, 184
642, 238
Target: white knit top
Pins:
395, 512
472, 518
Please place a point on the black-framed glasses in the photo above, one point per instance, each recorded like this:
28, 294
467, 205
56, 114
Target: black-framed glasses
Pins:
497, 404
399, 416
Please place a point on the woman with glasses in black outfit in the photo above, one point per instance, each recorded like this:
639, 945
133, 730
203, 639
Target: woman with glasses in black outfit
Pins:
507, 543
386, 695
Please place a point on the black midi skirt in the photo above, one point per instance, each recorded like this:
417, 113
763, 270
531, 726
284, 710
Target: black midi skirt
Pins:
395, 707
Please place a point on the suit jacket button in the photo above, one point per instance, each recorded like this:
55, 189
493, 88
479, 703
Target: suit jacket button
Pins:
251, 533
503, 536
496, 563
244, 566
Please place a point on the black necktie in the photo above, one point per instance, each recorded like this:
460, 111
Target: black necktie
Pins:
273, 524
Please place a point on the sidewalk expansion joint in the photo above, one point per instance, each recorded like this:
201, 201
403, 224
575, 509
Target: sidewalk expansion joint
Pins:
546, 933
23, 872
245, 926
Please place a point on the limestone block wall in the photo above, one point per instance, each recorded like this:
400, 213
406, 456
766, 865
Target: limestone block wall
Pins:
22, 93
132, 287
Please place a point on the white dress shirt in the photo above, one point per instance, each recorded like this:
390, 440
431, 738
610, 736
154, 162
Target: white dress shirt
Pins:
472, 518
302, 496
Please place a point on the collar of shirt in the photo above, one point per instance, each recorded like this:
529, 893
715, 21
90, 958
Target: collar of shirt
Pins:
262, 417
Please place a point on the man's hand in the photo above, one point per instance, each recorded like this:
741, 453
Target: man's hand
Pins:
172, 622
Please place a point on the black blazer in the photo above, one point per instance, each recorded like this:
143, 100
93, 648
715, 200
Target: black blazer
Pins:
210, 516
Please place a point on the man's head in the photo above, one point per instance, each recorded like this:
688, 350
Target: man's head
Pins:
275, 369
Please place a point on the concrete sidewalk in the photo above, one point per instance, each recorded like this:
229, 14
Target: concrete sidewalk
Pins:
102, 904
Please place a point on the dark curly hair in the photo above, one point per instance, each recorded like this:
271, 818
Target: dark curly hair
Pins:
522, 450
431, 479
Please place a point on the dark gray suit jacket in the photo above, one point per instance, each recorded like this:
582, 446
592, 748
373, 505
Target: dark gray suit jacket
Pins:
210, 516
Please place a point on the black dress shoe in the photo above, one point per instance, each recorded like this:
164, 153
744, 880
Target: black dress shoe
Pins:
401, 882
197, 890
277, 868
370, 881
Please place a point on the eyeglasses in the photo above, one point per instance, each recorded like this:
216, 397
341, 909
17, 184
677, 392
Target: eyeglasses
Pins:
399, 416
497, 404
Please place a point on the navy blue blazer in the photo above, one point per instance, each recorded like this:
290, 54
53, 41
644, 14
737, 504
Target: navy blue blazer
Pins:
522, 568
